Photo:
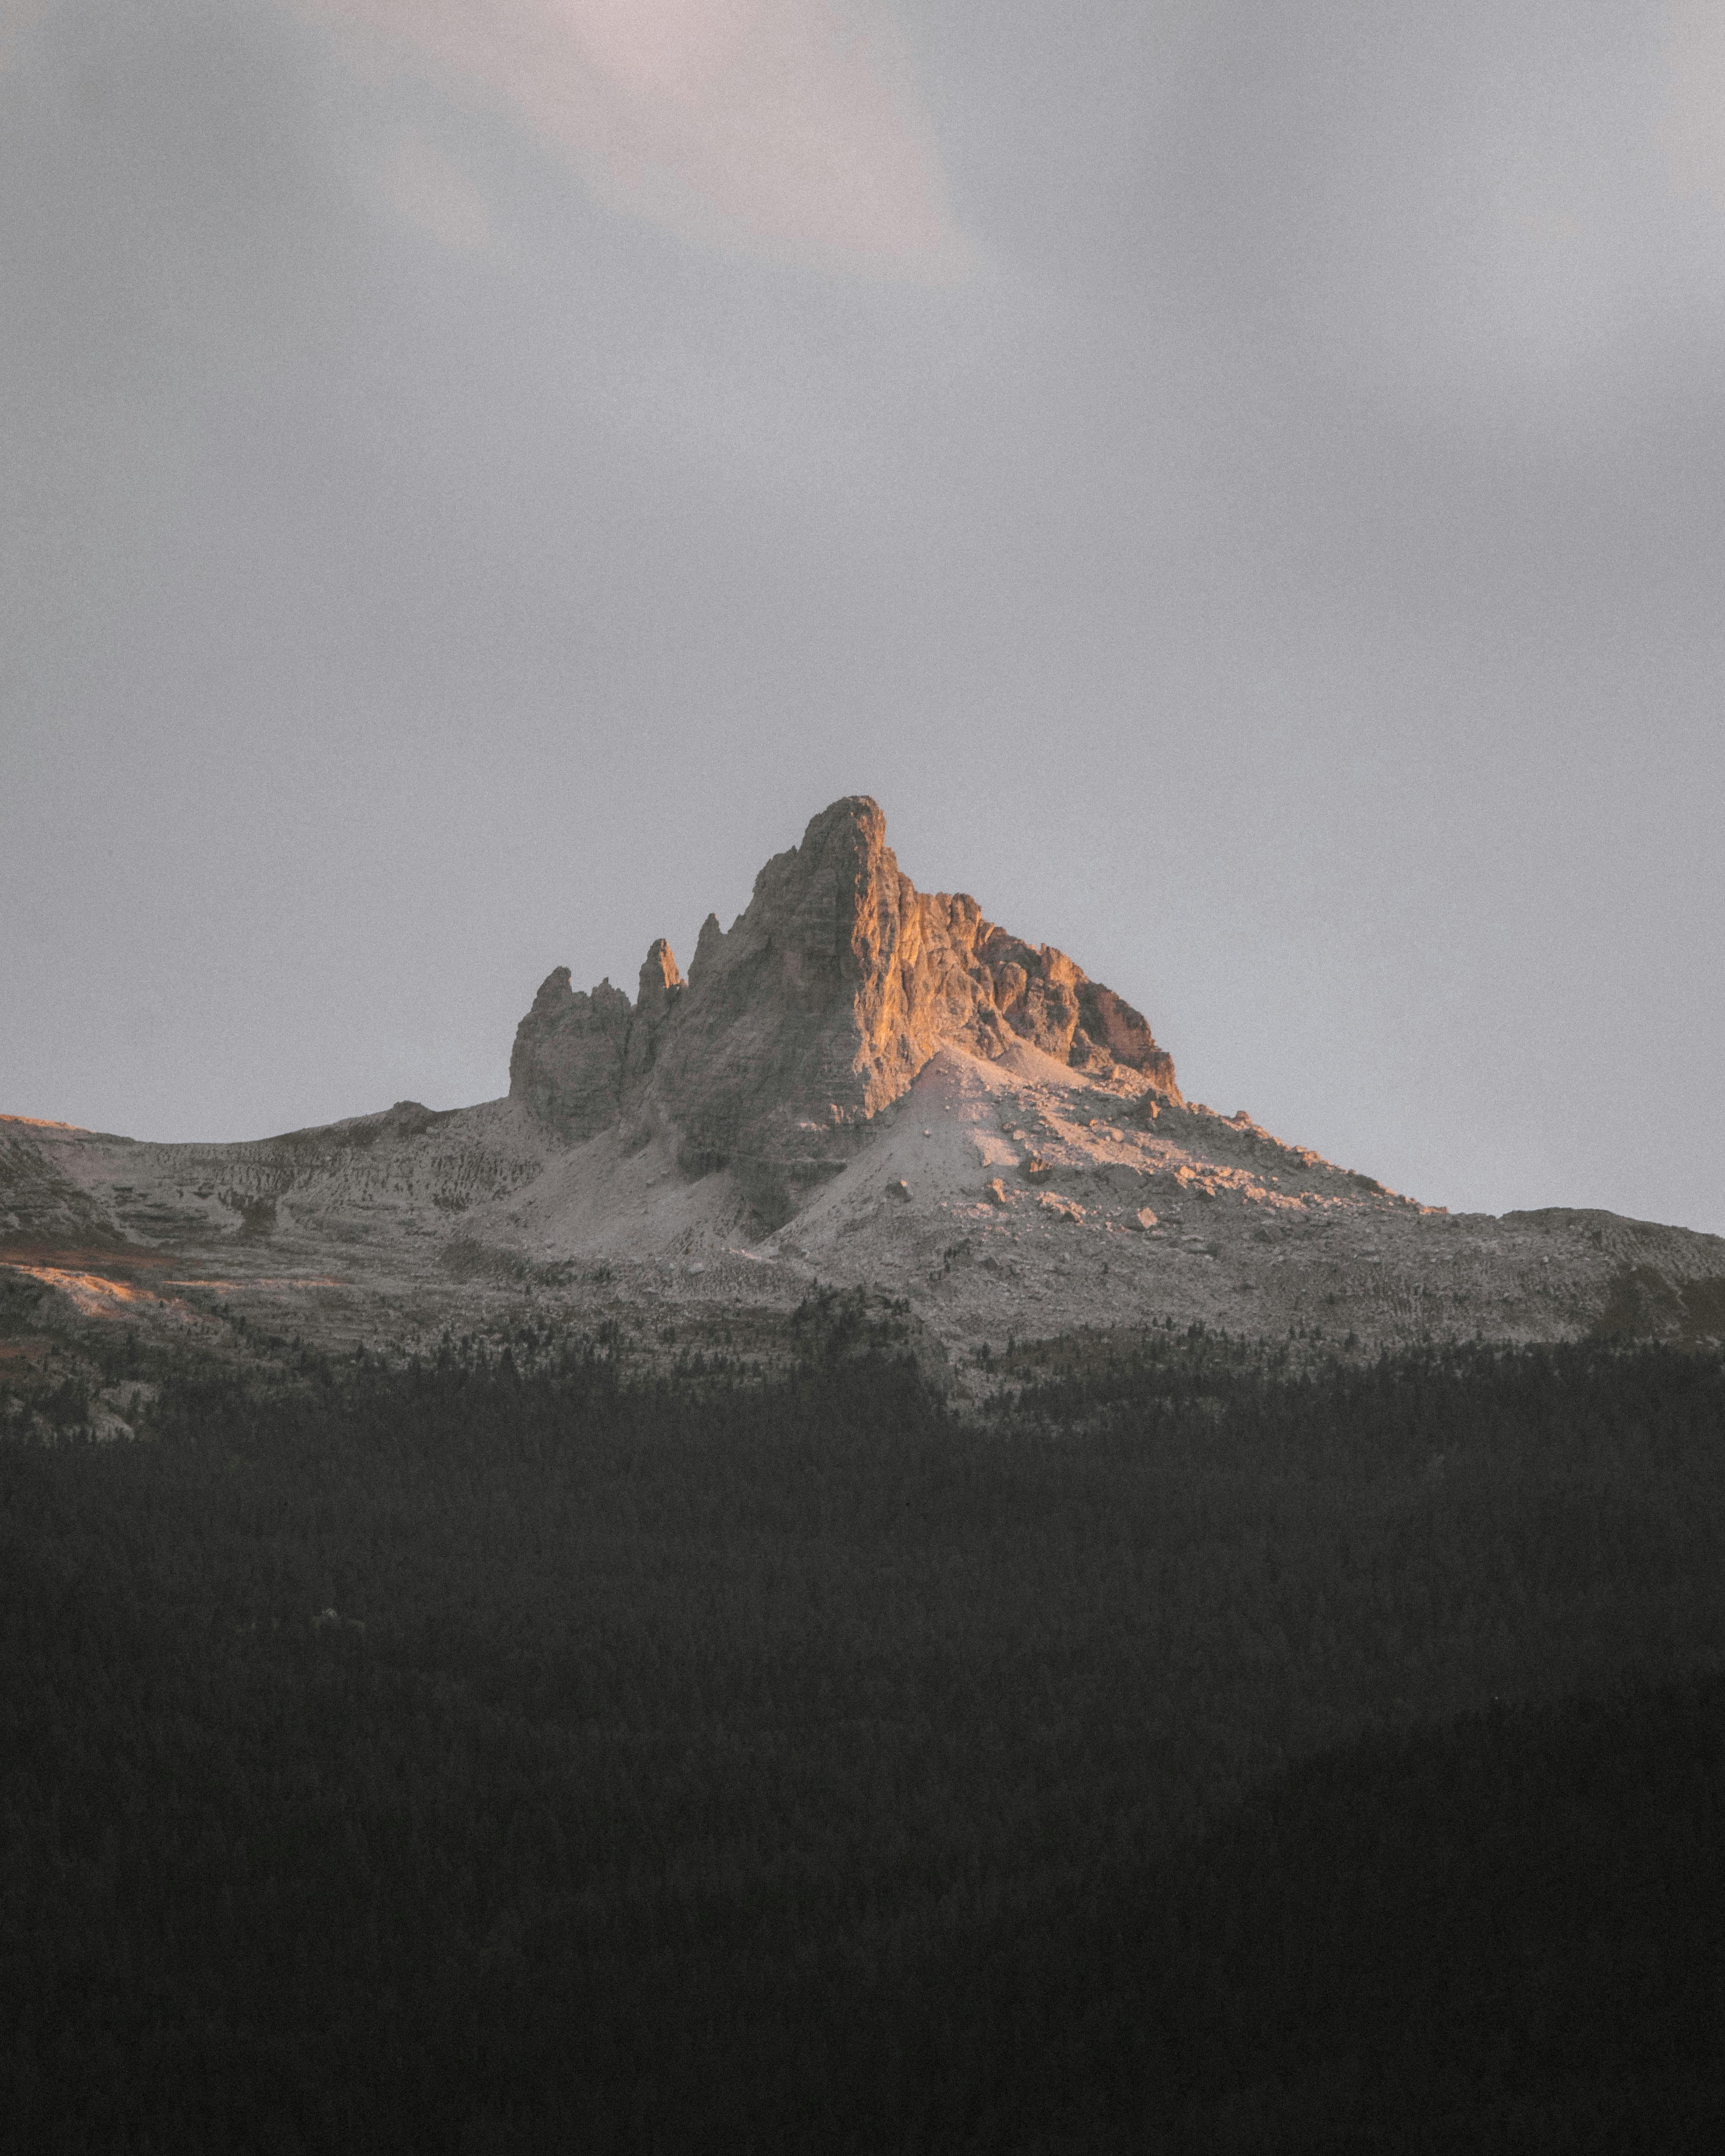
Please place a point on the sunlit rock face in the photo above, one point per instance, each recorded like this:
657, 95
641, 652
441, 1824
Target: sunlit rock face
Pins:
835, 987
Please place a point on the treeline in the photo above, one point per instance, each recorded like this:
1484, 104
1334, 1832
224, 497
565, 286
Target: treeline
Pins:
1202, 1748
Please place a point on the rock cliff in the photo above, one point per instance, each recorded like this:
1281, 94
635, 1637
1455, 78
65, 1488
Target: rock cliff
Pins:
831, 991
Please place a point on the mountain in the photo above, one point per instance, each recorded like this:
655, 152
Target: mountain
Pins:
832, 992
859, 1084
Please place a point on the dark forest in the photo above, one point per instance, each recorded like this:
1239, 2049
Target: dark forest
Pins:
1195, 1748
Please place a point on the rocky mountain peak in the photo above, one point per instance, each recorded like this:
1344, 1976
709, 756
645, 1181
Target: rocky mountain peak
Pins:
659, 982
815, 1011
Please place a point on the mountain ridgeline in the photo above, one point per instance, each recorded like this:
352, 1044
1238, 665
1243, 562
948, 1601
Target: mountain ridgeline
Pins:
818, 1009
859, 1084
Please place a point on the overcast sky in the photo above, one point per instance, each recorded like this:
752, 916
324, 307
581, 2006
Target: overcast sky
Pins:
1243, 485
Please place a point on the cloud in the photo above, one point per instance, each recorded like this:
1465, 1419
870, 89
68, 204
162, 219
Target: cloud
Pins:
1692, 126
16, 17
420, 184
788, 128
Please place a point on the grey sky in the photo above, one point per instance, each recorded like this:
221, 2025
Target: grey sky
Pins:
1241, 483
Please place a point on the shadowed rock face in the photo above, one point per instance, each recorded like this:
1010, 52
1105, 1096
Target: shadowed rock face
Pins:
832, 990
568, 1061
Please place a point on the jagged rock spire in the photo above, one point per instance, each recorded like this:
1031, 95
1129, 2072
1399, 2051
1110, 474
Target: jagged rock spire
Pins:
659, 982
829, 992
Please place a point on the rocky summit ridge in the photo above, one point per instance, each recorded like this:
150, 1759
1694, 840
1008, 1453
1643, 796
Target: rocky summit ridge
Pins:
859, 1084
837, 984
